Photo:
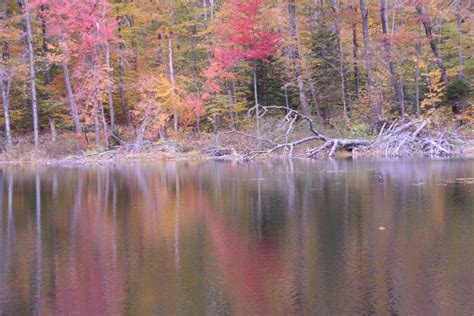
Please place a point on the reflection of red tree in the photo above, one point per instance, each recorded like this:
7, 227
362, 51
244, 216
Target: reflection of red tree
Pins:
89, 282
239, 263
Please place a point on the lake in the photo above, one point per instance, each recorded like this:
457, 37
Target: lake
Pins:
286, 237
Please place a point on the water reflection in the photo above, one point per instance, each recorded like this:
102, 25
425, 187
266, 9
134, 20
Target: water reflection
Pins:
218, 238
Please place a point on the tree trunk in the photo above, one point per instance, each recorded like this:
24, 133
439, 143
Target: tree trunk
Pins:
335, 8
5, 82
294, 53
109, 73
421, 11
198, 124
257, 106
459, 26
34, 103
52, 127
376, 105
231, 105
104, 125
173, 84
97, 125
110, 87
70, 96
5, 88
47, 72
417, 72
312, 89
355, 49
388, 53
121, 85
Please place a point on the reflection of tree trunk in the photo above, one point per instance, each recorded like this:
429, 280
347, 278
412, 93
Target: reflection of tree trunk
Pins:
259, 205
177, 254
376, 105
38, 246
76, 209
31, 53
114, 222
388, 53
421, 11
6, 253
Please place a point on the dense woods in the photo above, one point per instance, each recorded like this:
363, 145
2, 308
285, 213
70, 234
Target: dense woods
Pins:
107, 69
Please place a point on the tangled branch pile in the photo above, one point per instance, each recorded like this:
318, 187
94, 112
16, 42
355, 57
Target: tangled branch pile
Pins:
396, 139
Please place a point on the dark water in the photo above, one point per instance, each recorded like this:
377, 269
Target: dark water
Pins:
328, 238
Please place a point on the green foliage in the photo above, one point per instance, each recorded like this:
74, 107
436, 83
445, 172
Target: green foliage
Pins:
324, 53
457, 90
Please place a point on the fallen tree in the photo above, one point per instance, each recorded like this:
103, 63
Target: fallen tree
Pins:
394, 139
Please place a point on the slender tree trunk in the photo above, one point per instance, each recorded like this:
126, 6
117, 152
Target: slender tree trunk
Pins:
104, 125
231, 104
110, 87
287, 100
173, 84
52, 128
97, 125
460, 31
417, 72
34, 103
355, 50
5, 88
109, 73
421, 11
388, 53
257, 106
5, 82
335, 8
312, 88
376, 105
121, 85
296, 57
47, 72
198, 124
70, 96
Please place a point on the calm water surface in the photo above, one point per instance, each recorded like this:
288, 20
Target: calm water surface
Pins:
328, 238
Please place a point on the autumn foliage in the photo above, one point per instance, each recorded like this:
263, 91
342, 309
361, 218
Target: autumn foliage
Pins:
198, 65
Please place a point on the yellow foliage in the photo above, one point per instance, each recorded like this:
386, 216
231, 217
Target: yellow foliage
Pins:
435, 91
156, 100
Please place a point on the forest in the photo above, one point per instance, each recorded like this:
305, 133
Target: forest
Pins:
94, 75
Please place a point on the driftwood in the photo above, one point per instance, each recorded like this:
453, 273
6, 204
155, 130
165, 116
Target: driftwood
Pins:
395, 139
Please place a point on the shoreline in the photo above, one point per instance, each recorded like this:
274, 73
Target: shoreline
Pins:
140, 157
